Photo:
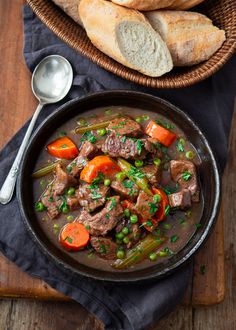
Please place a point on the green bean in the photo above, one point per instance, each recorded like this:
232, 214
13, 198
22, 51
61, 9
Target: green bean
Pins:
135, 175
94, 127
146, 246
46, 169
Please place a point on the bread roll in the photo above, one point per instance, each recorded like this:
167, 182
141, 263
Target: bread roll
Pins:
126, 36
144, 4
71, 8
184, 4
190, 37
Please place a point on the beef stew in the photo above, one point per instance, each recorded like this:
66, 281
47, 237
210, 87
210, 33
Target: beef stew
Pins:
130, 178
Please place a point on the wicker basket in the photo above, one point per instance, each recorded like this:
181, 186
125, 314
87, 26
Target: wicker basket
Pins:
222, 13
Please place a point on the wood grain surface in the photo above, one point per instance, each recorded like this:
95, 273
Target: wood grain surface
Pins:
16, 106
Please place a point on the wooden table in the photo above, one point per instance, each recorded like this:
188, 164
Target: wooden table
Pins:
16, 98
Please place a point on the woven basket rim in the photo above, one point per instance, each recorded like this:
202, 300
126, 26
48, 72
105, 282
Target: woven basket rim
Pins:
67, 30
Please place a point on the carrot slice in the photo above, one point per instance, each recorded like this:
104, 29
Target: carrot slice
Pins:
99, 164
74, 236
163, 135
126, 204
63, 148
160, 214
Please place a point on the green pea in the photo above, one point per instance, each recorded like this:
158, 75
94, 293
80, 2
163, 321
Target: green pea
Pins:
102, 131
107, 182
182, 141
153, 256
125, 231
157, 162
133, 218
126, 240
70, 218
65, 209
40, 207
119, 235
157, 198
138, 163
81, 122
190, 154
120, 176
139, 119
71, 191
127, 213
120, 254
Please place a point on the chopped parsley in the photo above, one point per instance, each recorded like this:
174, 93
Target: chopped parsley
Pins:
89, 137
87, 227
102, 249
63, 146
140, 145
95, 195
69, 168
167, 210
180, 145
174, 238
153, 208
123, 139
202, 269
181, 221
112, 205
186, 176
198, 225
168, 251
134, 172
68, 239
128, 184
107, 216
165, 124
171, 190
62, 133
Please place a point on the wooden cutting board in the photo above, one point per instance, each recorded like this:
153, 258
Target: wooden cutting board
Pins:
17, 104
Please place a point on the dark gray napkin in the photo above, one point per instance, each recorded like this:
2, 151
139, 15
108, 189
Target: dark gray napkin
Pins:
210, 103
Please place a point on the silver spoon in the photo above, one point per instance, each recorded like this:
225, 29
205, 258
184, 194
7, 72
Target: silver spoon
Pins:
51, 81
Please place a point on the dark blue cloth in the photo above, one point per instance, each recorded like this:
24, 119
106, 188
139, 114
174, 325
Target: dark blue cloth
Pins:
210, 103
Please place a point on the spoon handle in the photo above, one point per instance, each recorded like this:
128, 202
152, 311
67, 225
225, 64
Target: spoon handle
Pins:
10, 181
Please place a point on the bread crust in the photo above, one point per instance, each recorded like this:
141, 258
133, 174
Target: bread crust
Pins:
184, 4
144, 4
190, 37
101, 20
71, 8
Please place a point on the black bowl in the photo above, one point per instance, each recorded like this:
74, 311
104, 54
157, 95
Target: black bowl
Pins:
209, 177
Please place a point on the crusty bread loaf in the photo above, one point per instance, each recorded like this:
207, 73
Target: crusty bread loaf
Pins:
71, 8
190, 37
126, 36
184, 4
144, 4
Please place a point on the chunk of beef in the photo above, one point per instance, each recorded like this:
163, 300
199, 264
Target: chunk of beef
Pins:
181, 199
104, 247
87, 151
145, 206
51, 197
126, 188
153, 173
62, 181
72, 202
184, 173
51, 202
105, 220
153, 146
125, 126
121, 146
90, 198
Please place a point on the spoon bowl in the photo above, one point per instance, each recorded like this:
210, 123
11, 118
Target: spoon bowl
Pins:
52, 79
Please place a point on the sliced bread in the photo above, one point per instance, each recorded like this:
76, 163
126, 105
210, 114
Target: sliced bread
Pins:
126, 36
190, 37
71, 8
144, 4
